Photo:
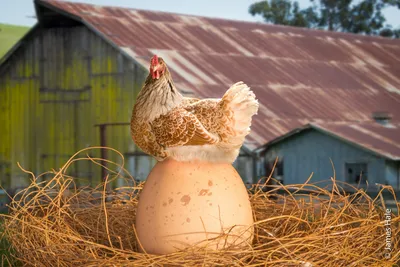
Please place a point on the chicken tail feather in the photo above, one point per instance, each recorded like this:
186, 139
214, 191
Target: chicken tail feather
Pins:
241, 104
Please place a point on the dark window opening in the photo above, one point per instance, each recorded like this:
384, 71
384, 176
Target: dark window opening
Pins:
356, 173
279, 168
277, 171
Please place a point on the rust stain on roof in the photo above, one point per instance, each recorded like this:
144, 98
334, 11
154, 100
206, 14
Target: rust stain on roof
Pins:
298, 75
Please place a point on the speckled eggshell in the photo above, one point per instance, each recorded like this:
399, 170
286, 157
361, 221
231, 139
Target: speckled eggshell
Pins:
188, 203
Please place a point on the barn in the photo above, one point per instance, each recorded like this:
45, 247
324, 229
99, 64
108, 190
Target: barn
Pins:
72, 80
365, 154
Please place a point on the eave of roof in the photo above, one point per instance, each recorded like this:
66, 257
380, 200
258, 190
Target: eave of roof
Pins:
89, 26
346, 139
362, 136
10, 52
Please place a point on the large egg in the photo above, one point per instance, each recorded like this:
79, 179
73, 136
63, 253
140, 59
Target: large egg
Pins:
190, 203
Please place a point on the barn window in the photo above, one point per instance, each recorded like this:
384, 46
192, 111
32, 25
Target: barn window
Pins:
356, 173
278, 170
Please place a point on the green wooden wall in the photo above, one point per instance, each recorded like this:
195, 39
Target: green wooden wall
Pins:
53, 90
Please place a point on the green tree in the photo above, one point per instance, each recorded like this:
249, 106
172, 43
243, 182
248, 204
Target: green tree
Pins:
285, 12
333, 14
274, 11
364, 17
389, 32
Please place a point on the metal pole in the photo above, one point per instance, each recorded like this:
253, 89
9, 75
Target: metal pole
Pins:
76, 137
103, 142
103, 151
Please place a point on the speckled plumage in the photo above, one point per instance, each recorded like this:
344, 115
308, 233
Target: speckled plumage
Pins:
166, 124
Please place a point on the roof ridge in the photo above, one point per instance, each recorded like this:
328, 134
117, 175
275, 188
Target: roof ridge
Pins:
262, 24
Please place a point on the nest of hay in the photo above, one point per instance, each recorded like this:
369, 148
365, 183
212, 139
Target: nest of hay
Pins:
53, 223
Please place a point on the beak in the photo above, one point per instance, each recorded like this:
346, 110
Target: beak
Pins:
155, 73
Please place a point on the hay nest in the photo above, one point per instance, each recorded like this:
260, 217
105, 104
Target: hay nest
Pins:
53, 223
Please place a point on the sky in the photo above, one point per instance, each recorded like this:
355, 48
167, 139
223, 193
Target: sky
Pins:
20, 12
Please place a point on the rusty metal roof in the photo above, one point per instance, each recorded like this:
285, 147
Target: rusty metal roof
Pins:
381, 139
298, 75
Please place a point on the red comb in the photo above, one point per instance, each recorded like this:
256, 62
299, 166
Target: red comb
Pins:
154, 60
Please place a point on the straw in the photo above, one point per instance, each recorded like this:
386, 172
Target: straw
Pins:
54, 223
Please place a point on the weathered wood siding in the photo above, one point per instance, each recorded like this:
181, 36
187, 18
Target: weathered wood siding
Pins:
53, 90
311, 151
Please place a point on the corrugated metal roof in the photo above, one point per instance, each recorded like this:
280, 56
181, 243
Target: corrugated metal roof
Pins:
383, 140
380, 139
298, 75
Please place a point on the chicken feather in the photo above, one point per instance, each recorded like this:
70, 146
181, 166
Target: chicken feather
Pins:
166, 124
181, 128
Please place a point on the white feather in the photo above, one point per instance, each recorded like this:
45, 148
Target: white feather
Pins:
212, 153
244, 105
242, 101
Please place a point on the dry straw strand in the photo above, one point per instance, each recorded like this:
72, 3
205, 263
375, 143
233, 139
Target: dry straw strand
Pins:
55, 223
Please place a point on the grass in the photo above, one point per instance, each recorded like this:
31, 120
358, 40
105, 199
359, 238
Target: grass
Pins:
5, 249
9, 35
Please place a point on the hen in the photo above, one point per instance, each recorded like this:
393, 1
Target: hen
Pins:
166, 124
